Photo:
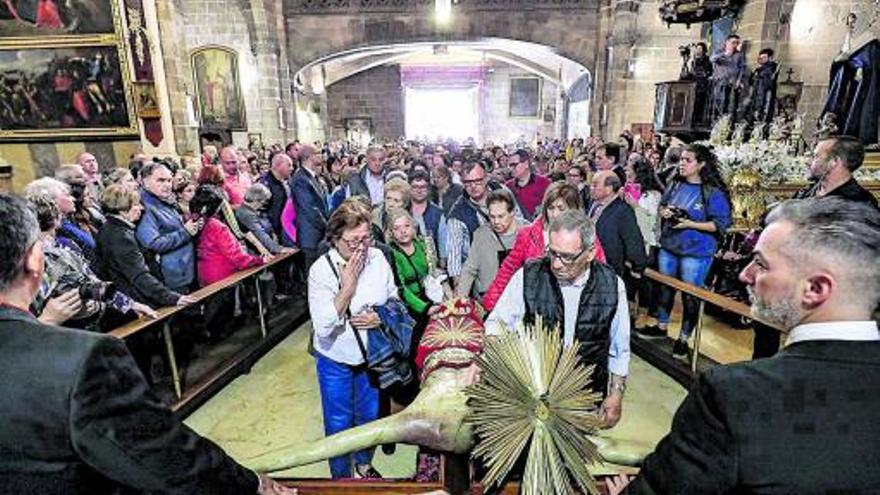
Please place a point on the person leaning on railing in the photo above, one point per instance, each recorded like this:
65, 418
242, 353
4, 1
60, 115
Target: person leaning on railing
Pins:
120, 259
696, 211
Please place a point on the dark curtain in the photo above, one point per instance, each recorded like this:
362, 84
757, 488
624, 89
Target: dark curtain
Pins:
854, 93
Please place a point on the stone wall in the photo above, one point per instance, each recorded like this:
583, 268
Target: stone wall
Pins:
254, 29
376, 94
495, 122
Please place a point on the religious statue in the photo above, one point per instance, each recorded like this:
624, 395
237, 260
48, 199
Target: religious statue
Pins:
451, 415
720, 131
758, 133
739, 133
827, 126
779, 130
796, 140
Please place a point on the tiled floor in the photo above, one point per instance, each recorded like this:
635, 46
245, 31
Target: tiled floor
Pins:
277, 404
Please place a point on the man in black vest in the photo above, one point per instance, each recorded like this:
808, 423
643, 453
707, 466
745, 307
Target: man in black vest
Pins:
586, 299
805, 420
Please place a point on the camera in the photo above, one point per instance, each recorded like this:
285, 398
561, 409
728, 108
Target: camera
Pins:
678, 215
97, 291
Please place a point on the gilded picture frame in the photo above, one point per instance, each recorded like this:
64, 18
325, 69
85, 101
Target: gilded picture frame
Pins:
71, 86
218, 88
57, 19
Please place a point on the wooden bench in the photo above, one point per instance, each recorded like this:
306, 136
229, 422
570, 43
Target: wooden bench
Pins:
201, 295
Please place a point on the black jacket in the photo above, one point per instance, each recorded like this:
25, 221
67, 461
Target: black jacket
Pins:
621, 238
802, 422
79, 418
120, 260
850, 190
276, 206
596, 311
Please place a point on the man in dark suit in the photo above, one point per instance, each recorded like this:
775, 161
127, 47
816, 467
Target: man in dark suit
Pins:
617, 229
310, 202
804, 421
78, 416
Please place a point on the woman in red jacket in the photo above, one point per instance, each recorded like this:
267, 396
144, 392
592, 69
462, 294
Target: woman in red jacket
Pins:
219, 254
531, 241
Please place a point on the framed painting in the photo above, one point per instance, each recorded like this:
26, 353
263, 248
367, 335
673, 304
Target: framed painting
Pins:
42, 18
525, 97
145, 101
218, 88
64, 91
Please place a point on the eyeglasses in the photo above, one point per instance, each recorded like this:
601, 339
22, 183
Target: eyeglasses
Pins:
474, 182
355, 243
566, 258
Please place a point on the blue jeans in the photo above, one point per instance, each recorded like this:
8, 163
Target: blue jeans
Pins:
687, 269
347, 399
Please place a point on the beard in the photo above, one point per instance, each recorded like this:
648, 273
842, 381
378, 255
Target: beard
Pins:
784, 311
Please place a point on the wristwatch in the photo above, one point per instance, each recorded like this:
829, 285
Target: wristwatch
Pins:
619, 386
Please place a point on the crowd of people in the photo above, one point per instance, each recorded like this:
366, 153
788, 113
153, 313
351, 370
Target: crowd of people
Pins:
559, 229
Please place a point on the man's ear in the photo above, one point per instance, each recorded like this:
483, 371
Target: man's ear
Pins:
818, 289
34, 261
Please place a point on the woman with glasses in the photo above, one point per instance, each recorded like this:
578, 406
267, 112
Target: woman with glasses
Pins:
531, 241
344, 286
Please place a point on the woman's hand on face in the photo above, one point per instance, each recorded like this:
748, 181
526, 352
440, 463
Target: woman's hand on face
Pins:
352, 270
365, 320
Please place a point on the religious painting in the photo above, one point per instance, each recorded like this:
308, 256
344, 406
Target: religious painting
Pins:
359, 131
64, 91
145, 101
525, 97
218, 88
25, 18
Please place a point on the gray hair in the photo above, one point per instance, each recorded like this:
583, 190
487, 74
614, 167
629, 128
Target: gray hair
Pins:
19, 231
69, 173
151, 168
846, 233
257, 194
46, 186
575, 221
672, 155
116, 176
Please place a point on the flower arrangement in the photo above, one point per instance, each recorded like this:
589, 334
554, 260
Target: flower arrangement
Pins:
772, 160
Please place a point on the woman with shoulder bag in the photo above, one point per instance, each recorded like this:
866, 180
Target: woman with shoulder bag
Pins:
695, 211
344, 286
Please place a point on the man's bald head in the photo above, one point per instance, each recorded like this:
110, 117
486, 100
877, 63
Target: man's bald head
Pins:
229, 160
282, 166
88, 162
605, 184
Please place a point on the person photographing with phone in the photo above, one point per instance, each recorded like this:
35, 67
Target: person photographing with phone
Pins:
345, 285
695, 212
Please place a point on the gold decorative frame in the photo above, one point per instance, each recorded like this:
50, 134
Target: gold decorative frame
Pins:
238, 82
115, 40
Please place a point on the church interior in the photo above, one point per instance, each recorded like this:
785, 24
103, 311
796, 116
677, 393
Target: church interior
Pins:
230, 143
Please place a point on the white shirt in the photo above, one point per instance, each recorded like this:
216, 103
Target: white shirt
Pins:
511, 308
376, 186
334, 336
835, 330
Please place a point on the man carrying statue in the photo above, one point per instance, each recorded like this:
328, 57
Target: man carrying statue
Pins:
586, 299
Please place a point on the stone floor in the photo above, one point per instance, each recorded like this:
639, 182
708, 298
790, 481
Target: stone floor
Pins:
278, 404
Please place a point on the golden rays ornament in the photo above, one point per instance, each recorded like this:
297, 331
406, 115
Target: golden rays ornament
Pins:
533, 396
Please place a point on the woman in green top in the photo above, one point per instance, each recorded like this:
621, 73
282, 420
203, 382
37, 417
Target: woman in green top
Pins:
410, 263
